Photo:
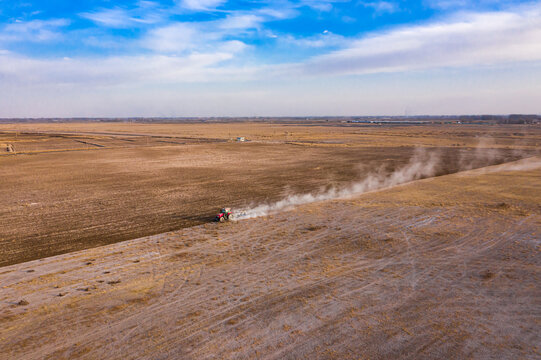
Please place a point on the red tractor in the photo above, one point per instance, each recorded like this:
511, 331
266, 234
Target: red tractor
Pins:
223, 215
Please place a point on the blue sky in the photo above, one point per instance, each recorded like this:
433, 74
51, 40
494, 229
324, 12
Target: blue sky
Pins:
257, 58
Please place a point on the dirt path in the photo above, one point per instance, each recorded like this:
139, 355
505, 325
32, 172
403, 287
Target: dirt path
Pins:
440, 268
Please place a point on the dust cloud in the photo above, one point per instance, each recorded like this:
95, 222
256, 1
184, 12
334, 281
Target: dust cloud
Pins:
423, 164
527, 164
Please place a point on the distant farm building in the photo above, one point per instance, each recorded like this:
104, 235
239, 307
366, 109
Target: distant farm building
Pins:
241, 138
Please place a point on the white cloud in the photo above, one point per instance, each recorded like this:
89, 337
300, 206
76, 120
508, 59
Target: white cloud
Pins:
121, 18
326, 39
505, 90
240, 22
33, 31
188, 37
116, 71
186, 55
469, 4
116, 18
453, 4
446, 4
232, 46
202, 36
277, 13
201, 4
381, 7
320, 5
173, 38
471, 40
177, 37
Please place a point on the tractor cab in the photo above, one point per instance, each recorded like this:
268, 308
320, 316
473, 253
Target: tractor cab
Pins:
223, 215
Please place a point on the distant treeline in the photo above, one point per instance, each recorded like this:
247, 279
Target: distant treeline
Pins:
458, 119
418, 119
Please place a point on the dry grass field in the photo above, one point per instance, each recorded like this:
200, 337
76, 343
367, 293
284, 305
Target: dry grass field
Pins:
427, 244
72, 186
446, 267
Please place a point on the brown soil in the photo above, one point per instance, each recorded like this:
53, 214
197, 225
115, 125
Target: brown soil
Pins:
432, 269
74, 186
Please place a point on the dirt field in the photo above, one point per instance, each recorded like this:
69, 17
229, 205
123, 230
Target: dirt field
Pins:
446, 267
69, 187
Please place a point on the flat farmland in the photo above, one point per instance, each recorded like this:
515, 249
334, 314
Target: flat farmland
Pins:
74, 186
445, 267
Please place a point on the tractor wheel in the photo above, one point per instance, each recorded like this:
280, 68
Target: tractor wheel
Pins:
222, 219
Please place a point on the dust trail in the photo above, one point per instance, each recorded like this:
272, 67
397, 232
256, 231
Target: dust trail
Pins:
422, 165
484, 153
528, 164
